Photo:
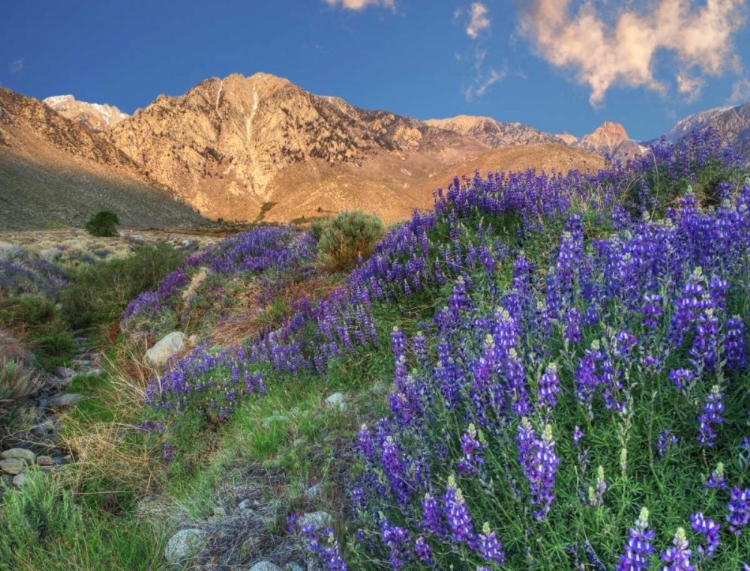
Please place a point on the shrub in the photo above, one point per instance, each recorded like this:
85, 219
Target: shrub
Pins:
347, 238
99, 293
103, 224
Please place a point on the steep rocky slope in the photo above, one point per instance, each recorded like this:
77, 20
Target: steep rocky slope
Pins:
493, 133
731, 123
89, 115
610, 139
55, 173
232, 146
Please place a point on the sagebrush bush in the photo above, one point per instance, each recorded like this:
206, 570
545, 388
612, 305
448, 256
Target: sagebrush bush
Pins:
103, 224
347, 238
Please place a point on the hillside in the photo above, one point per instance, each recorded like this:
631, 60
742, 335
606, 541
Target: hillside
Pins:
56, 173
731, 124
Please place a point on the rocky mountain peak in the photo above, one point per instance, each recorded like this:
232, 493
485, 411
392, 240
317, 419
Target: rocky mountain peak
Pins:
493, 133
92, 116
605, 139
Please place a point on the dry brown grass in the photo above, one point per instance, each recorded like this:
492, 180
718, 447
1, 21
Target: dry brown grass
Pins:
249, 318
18, 377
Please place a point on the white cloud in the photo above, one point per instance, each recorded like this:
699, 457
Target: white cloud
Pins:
479, 20
16, 66
689, 86
740, 91
361, 4
483, 80
618, 46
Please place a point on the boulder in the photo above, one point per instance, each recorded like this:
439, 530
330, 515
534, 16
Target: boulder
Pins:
264, 566
20, 480
168, 347
336, 400
19, 453
185, 544
62, 401
318, 520
11, 466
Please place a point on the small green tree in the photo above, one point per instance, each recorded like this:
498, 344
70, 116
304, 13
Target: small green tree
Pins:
347, 238
103, 224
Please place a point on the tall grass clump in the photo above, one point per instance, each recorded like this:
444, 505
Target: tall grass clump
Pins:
346, 239
99, 293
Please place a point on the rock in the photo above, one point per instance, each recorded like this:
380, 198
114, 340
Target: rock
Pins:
264, 566
245, 505
184, 544
336, 400
292, 566
45, 461
220, 512
269, 420
20, 480
318, 520
379, 389
43, 428
62, 401
168, 347
11, 466
64, 372
96, 373
313, 492
19, 453
50, 254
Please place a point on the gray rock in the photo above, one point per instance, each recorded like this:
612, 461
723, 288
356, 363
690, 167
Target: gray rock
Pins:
43, 428
220, 512
168, 347
336, 400
20, 480
292, 566
19, 453
184, 544
318, 520
313, 492
45, 461
64, 372
63, 401
11, 466
245, 505
379, 389
269, 420
264, 566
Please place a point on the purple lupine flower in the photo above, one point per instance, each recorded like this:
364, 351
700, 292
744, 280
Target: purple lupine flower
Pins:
665, 442
489, 547
596, 493
539, 463
638, 548
577, 435
422, 550
735, 344
711, 416
716, 481
739, 510
710, 531
457, 514
573, 333
469, 447
397, 540
549, 387
682, 378
432, 516
677, 557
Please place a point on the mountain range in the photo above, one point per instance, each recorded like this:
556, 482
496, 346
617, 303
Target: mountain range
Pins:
262, 148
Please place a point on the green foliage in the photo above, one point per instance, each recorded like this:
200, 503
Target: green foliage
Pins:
100, 293
42, 526
103, 224
347, 238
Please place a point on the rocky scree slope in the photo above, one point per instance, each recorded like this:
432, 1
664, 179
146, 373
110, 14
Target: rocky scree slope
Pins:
493, 133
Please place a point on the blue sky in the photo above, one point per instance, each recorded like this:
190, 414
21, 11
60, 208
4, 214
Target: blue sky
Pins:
558, 65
